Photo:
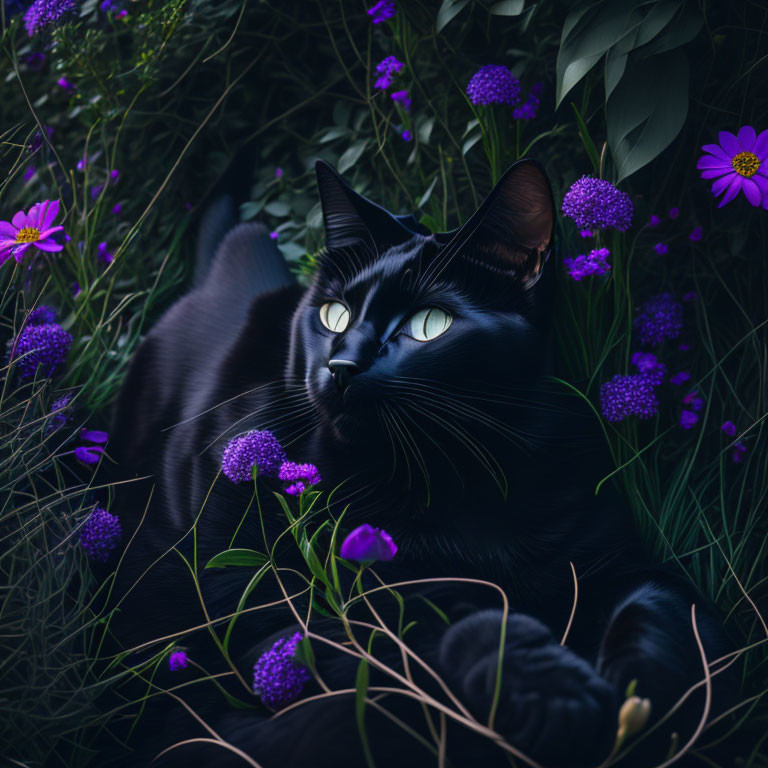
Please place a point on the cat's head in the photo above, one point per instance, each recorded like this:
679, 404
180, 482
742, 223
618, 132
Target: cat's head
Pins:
400, 328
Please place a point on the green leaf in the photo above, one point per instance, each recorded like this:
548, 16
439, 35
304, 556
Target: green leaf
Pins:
247, 557
508, 8
448, 11
586, 140
351, 155
470, 142
333, 133
429, 222
361, 691
427, 194
681, 31
424, 130
471, 124
304, 653
277, 208
647, 109
250, 210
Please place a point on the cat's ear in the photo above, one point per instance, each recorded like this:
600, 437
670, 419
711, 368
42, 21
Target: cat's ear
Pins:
514, 226
351, 218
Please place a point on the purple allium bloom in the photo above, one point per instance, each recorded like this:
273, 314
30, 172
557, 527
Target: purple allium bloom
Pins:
368, 543
382, 11
654, 221
118, 209
277, 677
178, 660
661, 248
530, 108
729, 428
100, 535
693, 401
659, 318
42, 315
42, 346
674, 212
738, 164
624, 396
586, 232
103, 254
688, 419
299, 475
597, 204
29, 173
26, 229
35, 61
44, 13
65, 85
401, 98
388, 68
274, 235
88, 454
593, 263
680, 378
406, 135
739, 449
493, 84
257, 448
697, 234
649, 366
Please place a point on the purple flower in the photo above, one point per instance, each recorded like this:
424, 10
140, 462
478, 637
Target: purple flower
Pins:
103, 254
96, 191
178, 660
382, 11
100, 535
597, 204
121, 14
114, 175
94, 436
44, 347
401, 98
277, 677
279, 172
659, 318
256, 449
585, 232
674, 213
680, 378
88, 454
649, 366
44, 13
368, 543
624, 396
697, 234
693, 401
65, 85
388, 68
41, 315
654, 221
729, 428
738, 164
530, 108
118, 209
406, 135
493, 84
33, 228
593, 263
739, 449
661, 248
37, 139
299, 475
688, 419
35, 61
58, 413
274, 235
29, 173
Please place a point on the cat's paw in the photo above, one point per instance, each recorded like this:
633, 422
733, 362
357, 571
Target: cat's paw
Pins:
553, 705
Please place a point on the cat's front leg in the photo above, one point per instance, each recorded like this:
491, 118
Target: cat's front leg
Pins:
553, 707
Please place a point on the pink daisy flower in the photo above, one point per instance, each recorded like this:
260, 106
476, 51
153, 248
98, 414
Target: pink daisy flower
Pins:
33, 228
738, 164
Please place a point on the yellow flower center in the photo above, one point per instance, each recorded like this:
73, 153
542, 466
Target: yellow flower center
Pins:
745, 163
27, 235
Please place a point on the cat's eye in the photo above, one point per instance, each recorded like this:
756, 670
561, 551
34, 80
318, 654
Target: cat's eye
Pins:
334, 316
428, 324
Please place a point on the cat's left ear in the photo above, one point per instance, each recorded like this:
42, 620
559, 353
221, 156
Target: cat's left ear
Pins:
351, 218
514, 226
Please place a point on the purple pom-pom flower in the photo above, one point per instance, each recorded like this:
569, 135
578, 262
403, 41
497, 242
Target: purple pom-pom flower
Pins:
649, 366
42, 315
729, 428
387, 69
597, 204
493, 84
680, 378
100, 535
277, 677
178, 660
44, 13
257, 449
41, 347
593, 263
299, 476
368, 543
382, 11
624, 396
659, 318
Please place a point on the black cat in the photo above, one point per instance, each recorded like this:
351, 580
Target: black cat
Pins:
413, 373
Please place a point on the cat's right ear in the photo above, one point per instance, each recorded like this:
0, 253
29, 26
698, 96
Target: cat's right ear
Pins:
351, 218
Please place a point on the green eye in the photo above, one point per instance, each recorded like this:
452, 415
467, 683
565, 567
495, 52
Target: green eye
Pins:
428, 324
334, 316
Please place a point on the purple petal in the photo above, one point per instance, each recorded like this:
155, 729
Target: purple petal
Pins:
714, 173
721, 184
51, 213
48, 245
732, 191
8, 230
761, 182
19, 220
93, 436
746, 137
88, 455
19, 251
709, 161
47, 232
761, 144
717, 151
751, 192
729, 143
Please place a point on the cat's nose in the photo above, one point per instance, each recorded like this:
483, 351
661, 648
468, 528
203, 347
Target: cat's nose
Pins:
342, 370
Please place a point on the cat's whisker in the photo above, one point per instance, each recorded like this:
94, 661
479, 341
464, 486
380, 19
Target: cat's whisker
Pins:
417, 455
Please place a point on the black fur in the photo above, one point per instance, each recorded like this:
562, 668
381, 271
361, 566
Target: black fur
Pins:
459, 447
